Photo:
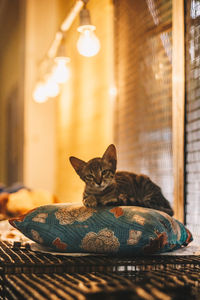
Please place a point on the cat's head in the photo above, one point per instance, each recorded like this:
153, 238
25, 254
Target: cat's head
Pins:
98, 173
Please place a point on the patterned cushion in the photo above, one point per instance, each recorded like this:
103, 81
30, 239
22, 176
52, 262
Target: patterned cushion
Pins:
123, 230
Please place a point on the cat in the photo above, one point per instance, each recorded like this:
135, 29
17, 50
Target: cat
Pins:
106, 187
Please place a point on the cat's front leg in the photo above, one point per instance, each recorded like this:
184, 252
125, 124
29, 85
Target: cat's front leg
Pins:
123, 199
89, 200
115, 201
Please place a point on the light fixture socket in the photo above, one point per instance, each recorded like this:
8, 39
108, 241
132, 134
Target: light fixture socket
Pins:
61, 52
85, 20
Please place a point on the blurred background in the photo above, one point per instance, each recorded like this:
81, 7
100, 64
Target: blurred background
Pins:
115, 88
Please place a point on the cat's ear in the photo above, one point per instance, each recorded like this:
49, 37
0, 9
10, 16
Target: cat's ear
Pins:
110, 155
77, 164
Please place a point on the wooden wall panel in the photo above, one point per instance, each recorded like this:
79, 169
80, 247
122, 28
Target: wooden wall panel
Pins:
178, 107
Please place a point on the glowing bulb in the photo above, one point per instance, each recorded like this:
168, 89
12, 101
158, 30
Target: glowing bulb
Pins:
88, 44
51, 88
61, 72
39, 94
113, 91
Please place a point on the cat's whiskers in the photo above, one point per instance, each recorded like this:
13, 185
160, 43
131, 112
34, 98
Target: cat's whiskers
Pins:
100, 187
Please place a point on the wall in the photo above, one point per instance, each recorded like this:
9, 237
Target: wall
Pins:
85, 108
79, 121
11, 89
42, 21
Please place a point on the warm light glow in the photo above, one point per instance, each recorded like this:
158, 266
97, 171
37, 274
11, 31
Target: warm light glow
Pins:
61, 72
88, 44
39, 94
113, 91
51, 88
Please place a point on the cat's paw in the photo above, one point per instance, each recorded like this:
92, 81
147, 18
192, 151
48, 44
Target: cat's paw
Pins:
123, 199
90, 201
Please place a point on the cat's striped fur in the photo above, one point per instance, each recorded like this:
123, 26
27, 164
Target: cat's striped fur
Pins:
104, 186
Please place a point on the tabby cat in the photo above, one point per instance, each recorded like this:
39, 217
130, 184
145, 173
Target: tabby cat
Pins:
104, 186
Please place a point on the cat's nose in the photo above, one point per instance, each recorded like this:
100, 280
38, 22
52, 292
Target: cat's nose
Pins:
98, 180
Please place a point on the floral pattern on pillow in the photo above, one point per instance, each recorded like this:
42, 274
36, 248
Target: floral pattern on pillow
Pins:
67, 215
117, 211
134, 236
41, 218
103, 241
36, 236
59, 244
156, 244
121, 230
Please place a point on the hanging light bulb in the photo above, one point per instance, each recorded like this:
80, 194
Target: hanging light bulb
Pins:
61, 71
88, 44
39, 94
51, 87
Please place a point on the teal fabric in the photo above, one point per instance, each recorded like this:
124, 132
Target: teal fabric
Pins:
123, 230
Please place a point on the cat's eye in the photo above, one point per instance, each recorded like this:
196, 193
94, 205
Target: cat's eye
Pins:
105, 172
89, 177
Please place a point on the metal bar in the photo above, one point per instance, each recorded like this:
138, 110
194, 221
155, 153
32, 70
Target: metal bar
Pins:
72, 15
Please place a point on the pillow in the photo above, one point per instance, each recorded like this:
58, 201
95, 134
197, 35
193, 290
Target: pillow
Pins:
121, 230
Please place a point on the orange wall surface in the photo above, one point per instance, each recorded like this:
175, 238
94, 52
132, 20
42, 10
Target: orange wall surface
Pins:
85, 108
79, 121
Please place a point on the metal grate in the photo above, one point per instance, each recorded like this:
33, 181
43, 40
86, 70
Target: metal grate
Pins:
143, 117
192, 48
140, 285
32, 275
22, 260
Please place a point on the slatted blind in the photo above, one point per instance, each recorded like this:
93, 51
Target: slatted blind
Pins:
143, 116
192, 47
